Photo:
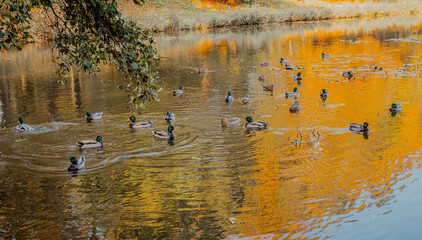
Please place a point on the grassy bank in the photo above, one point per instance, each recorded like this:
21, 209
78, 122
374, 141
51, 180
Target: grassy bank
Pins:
187, 15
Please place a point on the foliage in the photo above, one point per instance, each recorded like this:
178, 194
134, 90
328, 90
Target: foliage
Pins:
87, 34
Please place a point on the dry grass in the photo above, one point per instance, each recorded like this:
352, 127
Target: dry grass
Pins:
165, 19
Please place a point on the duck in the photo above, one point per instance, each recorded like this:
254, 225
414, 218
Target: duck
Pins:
265, 64
283, 60
132, 123
170, 116
202, 70
246, 99
347, 74
395, 108
22, 127
95, 116
229, 97
325, 55
289, 65
297, 77
178, 92
355, 127
85, 144
76, 164
294, 107
261, 78
292, 94
323, 94
257, 124
230, 121
268, 88
165, 135
376, 67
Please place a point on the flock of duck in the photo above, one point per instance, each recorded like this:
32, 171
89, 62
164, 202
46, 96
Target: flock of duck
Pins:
76, 164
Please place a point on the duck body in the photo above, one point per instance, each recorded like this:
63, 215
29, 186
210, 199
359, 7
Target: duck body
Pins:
229, 97
323, 94
395, 108
297, 77
268, 88
289, 66
165, 134
348, 74
261, 78
325, 55
294, 107
135, 125
355, 127
265, 64
246, 100
178, 92
291, 94
24, 127
230, 121
283, 60
86, 144
255, 124
170, 116
94, 116
76, 164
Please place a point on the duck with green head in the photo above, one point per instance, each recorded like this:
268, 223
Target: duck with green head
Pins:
255, 124
292, 94
22, 127
283, 60
86, 144
395, 108
95, 116
323, 94
297, 77
355, 127
178, 92
325, 55
229, 97
76, 164
170, 116
165, 135
134, 124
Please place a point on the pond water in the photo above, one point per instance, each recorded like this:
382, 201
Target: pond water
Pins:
305, 177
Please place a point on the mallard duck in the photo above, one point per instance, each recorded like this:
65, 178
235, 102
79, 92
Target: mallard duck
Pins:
297, 77
268, 88
283, 60
229, 97
22, 127
355, 127
85, 144
230, 121
256, 124
261, 78
202, 70
347, 74
132, 123
289, 65
292, 94
265, 64
294, 107
246, 99
95, 116
170, 116
76, 164
323, 94
395, 108
165, 135
325, 55
178, 92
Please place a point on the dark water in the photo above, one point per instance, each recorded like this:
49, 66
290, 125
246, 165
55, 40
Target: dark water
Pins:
219, 182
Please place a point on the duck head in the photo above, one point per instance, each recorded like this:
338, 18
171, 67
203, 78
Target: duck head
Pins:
21, 120
180, 87
324, 91
170, 129
249, 119
394, 105
299, 73
295, 89
99, 139
132, 119
365, 125
74, 160
229, 93
88, 114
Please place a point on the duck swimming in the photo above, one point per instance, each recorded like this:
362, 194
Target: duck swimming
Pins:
229, 97
76, 164
297, 77
132, 123
289, 65
325, 55
257, 124
347, 74
355, 127
292, 94
86, 144
283, 60
268, 88
165, 135
261, 78
95, 116
246, 100
395, 108
178, 92
22, 127
170, 116
230, 121
323, 94
294, 107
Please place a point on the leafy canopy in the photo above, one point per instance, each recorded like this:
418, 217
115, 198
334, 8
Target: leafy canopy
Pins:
87, 34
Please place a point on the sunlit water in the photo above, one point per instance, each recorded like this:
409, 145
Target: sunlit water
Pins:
305, 177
